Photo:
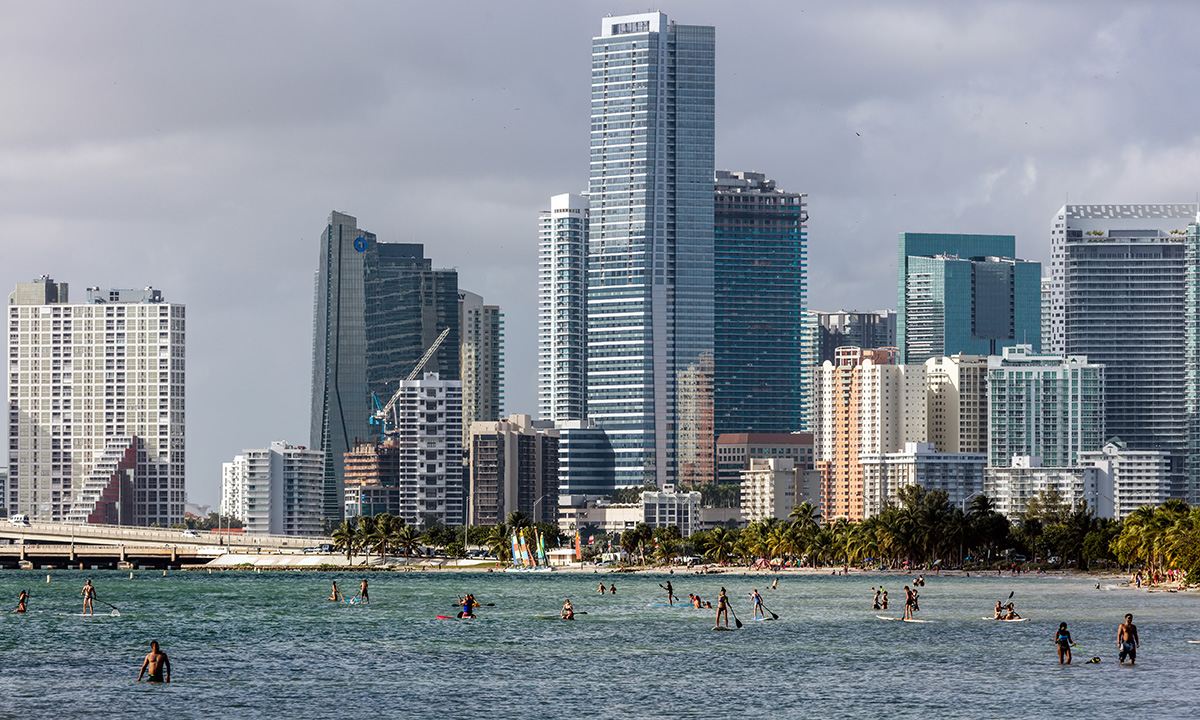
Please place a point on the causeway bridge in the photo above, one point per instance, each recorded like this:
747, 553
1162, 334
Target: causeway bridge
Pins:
64, 545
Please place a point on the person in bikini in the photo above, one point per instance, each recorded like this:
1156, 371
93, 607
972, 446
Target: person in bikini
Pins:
568, 611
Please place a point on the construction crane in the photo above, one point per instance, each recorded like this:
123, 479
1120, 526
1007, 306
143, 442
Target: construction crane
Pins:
384, 413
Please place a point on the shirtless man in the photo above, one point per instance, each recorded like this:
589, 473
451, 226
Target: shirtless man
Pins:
601, 589
157, 664
568, 611
1127, 640
612, 589
89, 594
362, 591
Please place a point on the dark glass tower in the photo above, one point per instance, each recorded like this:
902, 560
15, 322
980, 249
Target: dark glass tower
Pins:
759, 253
378, 306
650, 244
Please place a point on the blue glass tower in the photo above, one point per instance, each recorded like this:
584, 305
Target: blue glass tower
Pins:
650, 242
965, 294
759, 255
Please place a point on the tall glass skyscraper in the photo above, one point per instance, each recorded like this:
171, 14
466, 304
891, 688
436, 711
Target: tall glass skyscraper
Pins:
650, 247
965, 294
378, 306
1117, 295
1192, 347
759, 254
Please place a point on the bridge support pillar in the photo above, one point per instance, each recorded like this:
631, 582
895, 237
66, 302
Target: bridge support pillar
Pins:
123, 553
174, 555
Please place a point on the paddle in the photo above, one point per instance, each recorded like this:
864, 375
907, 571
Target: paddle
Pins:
115, 611
773, 615
729, 607
458, 604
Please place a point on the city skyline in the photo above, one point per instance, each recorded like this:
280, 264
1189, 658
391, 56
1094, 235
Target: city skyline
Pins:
193, 154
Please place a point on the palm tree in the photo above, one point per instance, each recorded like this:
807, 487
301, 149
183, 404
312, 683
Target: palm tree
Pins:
517, 520
406, 539
721, 545
499, 542
805, 515
381, 536
345, 537
366, 528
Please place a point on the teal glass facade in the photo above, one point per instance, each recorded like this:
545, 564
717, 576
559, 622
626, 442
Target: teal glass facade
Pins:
650, 246
1191, 329
760, 259
965, 294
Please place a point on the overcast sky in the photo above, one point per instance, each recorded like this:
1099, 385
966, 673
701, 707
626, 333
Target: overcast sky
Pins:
199, 148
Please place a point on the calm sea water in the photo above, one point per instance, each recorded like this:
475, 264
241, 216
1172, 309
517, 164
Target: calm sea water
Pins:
268, 645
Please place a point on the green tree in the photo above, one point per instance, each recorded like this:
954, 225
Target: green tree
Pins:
721, 545
499, 542
345, 539
406, 539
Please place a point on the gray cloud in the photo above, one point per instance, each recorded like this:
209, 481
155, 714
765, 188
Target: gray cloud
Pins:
198, 148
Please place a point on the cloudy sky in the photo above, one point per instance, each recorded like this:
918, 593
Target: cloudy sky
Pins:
199, 148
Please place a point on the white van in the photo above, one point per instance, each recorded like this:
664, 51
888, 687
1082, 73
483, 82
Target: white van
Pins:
19, 519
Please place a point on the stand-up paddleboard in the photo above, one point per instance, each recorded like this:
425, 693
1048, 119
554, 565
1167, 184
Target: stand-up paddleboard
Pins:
915, 620
1007, 620
722, 629
1194, 642
887, 617
549, 617
764, 619
676, 605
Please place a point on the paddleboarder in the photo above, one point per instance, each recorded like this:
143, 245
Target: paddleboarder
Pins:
335, 594
157, 664
1127, 640
22, 602
568, 611
362, 591
89, 594
909, 603
722, 608
758, 604
670, 593
1063, 639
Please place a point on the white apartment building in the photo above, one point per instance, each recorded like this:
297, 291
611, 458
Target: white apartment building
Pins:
1128, 479
1045, 406
1012, 487
957, 399
562, 309
960, 475
660, 509
275, 490
768, 489
427, 422
95, 406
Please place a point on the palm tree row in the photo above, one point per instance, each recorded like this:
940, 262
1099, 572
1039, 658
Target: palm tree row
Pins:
1162, 538
383, 533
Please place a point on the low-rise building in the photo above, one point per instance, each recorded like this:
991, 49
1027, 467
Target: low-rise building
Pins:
960, 475
1011, 488
1128, 479
681, 509
768, 489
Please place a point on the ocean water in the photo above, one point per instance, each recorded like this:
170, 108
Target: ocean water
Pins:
248, 645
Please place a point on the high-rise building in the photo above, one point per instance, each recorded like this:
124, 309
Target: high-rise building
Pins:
586, 465
562, 309
863, 405
1043, 406
378, 307
275, 490
95, 405
958, 407
650, 237
810, 344
481, 328
1192, 350
965, 294
959, 475
759, 285
1118, 286
514, 468
428, 431
372, 482
853, 327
